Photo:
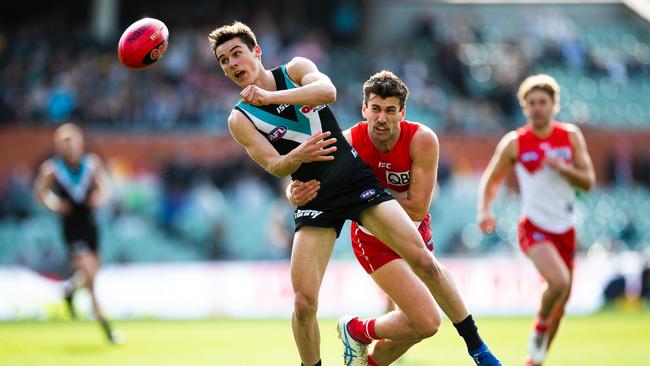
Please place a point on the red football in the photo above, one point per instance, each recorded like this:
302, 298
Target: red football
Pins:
143, 43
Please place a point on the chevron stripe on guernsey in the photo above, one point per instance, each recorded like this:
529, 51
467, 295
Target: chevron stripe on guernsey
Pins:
76, 183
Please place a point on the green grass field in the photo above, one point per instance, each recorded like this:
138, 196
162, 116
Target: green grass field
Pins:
603, 339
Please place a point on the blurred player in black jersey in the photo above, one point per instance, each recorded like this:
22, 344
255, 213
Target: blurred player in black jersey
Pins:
73, 184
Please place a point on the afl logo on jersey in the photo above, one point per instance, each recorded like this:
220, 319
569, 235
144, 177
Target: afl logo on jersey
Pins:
367, 193
398, 178
277, 133
529, 156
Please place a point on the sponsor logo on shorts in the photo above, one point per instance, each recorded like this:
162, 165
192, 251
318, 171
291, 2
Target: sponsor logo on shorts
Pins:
368, 193
398, 178
537, 236
277, 133
307, 213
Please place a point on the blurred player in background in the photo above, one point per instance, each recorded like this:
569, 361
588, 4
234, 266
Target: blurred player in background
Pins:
73, 184
279, 122
551, 160
404, 157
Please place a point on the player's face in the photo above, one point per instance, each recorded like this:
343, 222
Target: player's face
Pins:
69, 145
383, 116
539, 107
238, 62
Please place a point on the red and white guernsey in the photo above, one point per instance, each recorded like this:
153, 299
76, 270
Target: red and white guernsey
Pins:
547, 198
392, 168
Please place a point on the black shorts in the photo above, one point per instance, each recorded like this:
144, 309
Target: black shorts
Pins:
346, 206
80, 237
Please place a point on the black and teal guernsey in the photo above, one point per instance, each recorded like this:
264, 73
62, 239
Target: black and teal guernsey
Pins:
74, 185
347, 185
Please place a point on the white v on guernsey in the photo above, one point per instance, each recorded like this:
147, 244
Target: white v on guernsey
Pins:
548, 199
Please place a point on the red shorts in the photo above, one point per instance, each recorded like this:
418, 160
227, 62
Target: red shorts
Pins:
372, 254
565, 243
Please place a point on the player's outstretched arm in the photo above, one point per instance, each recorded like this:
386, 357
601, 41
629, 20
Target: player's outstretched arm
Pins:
498, 168
43, 192
424, 171
315, 148
581, 174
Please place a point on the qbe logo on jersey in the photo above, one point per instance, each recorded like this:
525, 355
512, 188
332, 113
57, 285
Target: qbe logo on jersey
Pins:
398, 178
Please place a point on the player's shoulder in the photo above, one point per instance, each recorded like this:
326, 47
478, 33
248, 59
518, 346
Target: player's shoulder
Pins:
509, 143
240, 126
48, 167
354, 134
359, 125
424, 138
94, 158
513, 135
568, 127
236, 116
298, 66
423, 132
299, 62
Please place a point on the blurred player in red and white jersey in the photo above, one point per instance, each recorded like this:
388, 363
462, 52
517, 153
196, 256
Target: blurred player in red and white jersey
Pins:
550, 160
404, 157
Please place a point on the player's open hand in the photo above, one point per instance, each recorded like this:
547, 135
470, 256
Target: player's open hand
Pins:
486, 222
255, 95
301, 193
315, 148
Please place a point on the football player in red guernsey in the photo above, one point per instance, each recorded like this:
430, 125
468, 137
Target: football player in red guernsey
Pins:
551, 160
404, 157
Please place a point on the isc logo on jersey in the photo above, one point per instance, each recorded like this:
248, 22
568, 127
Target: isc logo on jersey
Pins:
398, 178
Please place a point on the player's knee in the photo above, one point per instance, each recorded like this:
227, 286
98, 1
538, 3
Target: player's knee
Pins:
427, 328
559, 285
305, 305
424, 264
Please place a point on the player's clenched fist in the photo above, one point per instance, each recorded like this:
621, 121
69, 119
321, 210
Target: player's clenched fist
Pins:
255, 95
486, 222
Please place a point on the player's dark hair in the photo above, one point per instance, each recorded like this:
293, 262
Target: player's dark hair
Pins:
385, 84
225, 33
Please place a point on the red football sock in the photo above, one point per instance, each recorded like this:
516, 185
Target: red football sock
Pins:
541, 324
372, 362
362, 330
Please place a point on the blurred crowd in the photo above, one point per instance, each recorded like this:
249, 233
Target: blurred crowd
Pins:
463, 72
